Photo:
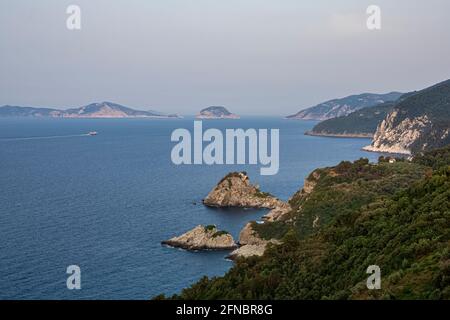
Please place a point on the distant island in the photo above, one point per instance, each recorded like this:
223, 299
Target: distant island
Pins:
342, 107
216, 112
93, 110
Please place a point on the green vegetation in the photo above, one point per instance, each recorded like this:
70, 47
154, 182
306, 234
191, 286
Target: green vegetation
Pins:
261, 194
432, 103
364, 121
272, 230
435, 159
220, 233
210, 227
395, 215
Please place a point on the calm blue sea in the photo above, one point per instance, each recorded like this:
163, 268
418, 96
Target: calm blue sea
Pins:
105, 203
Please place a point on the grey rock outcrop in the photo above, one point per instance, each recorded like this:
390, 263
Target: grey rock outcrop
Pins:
399, 138
417, 123
250, 243
203, 238
235, 190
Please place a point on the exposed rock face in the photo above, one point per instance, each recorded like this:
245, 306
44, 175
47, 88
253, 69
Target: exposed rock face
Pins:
249, 236
409, 135
203, 238
339, 135
251, 244
308, 187
216, 112
311, 182
398, 138
279, 213
235, 190
418, 123
248, 250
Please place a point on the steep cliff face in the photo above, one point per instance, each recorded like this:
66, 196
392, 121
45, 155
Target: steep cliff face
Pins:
419, 123
400, 138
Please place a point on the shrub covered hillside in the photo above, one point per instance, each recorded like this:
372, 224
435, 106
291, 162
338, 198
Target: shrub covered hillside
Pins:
394, 215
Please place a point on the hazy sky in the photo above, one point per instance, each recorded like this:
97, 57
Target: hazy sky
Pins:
252, 56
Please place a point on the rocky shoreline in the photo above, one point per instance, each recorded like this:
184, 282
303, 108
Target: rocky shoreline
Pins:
340, 135
234, 190
387, 149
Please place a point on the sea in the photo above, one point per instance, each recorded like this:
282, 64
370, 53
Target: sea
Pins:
105, 202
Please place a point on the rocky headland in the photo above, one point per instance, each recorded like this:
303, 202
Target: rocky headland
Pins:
417, 123
203, 238
235, 190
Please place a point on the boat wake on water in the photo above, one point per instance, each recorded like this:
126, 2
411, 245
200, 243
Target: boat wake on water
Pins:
92, 133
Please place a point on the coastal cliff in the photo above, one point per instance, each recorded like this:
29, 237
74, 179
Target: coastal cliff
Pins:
408, 135
235, 190
418, 123
399, 138
203, 238
344, 219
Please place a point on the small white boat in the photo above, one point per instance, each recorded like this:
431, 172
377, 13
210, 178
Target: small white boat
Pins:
93, 133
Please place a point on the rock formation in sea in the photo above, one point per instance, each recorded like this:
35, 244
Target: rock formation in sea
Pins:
203, 238
235, 190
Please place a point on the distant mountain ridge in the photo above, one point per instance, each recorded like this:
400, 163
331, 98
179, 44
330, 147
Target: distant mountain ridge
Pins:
344, 106
94, 110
